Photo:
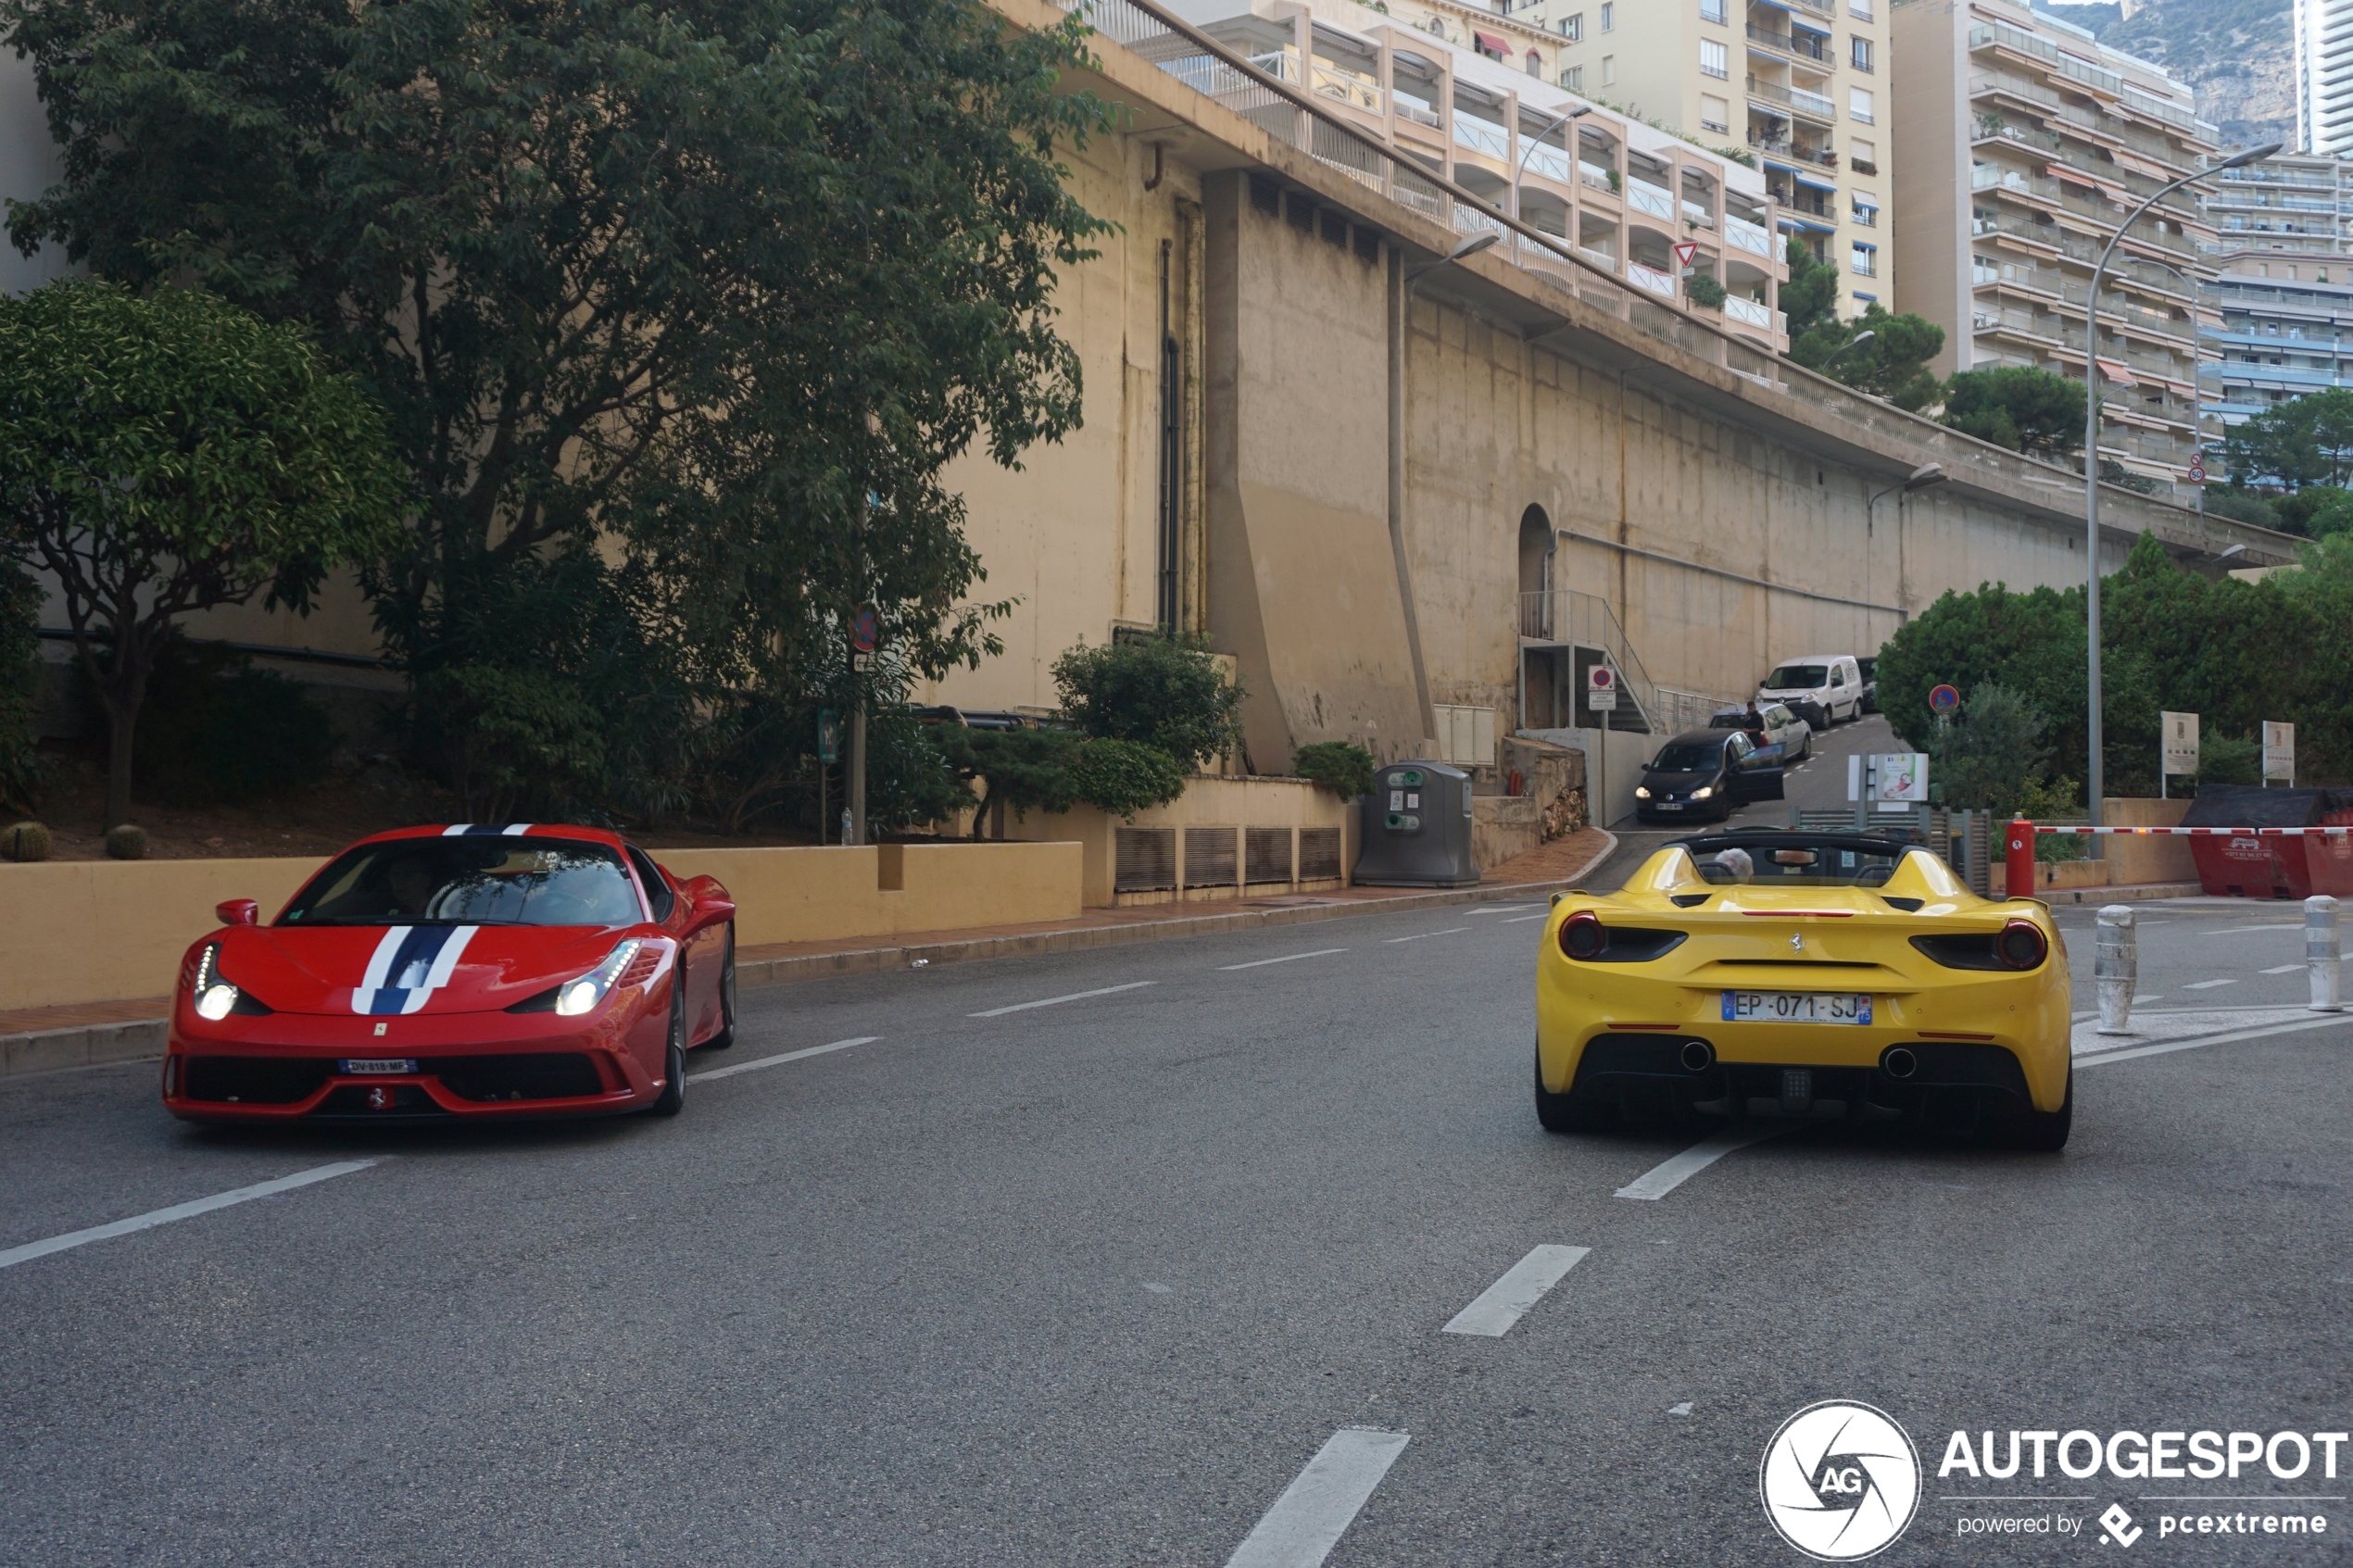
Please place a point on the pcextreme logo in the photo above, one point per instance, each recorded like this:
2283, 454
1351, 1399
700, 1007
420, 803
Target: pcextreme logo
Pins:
1840, 1481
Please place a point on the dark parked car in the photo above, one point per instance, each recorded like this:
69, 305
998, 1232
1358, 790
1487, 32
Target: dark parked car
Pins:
1870, 684
1704, 774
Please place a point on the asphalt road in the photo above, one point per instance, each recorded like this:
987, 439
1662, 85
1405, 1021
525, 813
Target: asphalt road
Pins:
1092, 1283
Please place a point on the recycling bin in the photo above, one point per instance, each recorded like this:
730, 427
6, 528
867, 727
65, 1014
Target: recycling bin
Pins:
1416, 828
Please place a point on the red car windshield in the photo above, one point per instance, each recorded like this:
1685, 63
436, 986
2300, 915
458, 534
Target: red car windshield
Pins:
470, 881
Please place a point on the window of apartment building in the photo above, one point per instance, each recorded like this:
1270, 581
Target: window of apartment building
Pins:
1609, 19
1714, 60
1862, 156
1858, 50
1609, 68
1715, 115
1866, 260
1573, 27
1573, 79
1859, 107
1535, 65
1859, 9
1866, 210
1711, 11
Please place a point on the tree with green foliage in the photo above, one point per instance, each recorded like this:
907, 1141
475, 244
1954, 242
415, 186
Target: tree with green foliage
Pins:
1021, 770
165, 455
2306, 440
1892, 364
714, 291
2241, 506
1985, 756
2023, 408
1124, 776
1161, 691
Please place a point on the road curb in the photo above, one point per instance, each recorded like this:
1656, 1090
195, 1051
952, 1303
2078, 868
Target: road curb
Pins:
2136, 894
52, 1050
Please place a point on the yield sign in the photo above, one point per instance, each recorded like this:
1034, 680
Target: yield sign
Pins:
1686, 251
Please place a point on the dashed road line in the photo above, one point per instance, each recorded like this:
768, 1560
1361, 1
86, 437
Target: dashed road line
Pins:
1316, 1509
187, 1211
2235, 929
2207, 985
2283, 968
1660, 1180
1287, 958
1419, 934
1502, 908
1541, 914
1503, 1303
1057, 1001
732, 1070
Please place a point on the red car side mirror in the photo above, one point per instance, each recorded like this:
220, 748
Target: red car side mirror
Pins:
238, 912
706, 904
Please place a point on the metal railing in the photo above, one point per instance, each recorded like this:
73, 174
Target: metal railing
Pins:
1566, 616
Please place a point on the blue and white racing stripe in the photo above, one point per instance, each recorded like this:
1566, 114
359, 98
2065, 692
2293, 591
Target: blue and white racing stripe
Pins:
409, 966
485, 830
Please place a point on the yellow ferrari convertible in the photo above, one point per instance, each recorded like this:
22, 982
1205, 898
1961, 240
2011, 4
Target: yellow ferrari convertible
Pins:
1836, 977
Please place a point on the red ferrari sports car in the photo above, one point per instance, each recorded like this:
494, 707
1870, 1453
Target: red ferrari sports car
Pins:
515, 970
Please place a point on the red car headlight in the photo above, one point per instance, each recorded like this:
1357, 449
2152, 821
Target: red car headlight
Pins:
576, 997
2022, 945
1583, 935
213, 998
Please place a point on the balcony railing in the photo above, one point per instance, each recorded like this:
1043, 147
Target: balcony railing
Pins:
1650, 278
1482, 137
1749, 311
1804, 47
1820, 156
1419, 110
1594, 176
1356, 91
1796, 98
1751, 237
1549, 162
1643, 196
1698, 215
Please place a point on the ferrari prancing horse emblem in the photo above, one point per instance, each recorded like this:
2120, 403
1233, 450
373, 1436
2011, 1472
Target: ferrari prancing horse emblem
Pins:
1798, 942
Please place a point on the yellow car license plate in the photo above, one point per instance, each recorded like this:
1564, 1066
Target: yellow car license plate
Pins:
1796, 1007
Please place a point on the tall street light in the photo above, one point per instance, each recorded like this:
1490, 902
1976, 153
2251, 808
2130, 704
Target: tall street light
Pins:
2099, 781
1919, 478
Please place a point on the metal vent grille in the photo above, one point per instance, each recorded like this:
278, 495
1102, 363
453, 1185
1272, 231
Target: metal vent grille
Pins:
1147, 859
1209, 857
1318, 854
1301, 213
1266, 196
1335, 229
1367, 244
1267, 854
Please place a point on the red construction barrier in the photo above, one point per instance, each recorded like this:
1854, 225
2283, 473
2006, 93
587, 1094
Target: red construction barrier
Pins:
2233, 862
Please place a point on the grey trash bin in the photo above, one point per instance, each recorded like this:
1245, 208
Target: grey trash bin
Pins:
1416, 828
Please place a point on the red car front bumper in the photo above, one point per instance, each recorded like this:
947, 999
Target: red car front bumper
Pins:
282, 1067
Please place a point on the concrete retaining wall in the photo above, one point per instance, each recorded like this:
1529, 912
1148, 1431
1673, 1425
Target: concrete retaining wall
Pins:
105, 930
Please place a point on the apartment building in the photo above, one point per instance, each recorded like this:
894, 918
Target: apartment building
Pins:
2324, 76
2280, 305
2024, 145
1800, 85
1471, 95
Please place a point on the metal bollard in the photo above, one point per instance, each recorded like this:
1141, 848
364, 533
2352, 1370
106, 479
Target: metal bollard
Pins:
2116, 965
2322, 952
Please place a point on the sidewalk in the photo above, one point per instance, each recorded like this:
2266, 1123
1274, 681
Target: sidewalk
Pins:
44, 1039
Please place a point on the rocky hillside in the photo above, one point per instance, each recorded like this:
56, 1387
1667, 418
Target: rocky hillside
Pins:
2239, 55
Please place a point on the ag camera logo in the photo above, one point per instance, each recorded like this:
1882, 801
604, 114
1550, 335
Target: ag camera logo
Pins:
1839, 1480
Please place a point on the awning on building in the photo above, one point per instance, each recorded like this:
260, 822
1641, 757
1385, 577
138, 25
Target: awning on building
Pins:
1491, 44
2120, 374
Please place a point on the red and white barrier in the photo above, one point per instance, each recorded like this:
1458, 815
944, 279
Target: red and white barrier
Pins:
2018, 857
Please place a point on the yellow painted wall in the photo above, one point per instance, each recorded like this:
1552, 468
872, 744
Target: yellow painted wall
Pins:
103, 931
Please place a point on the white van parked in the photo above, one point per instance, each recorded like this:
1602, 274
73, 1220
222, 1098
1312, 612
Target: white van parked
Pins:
1822, 688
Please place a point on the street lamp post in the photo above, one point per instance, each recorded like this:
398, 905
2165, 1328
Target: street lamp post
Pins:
2097, 782
1919, 478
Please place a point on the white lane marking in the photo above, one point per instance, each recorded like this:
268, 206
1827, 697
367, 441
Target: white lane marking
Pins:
1057, 1001
1683, 1408
1663, 1179
1287, 958
1503, 1303
778, 1060
1503, 908
2235, 929
1316, 1509
2154, 1025
2283, 969
187, 1211
2207, 985
1541, 914
2209, 1040
1419, 934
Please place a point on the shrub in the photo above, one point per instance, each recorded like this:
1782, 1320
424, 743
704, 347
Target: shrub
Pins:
908, 781
1165, 691
1336, 765
1124, 776
2226, 760
1705, 292
216, 730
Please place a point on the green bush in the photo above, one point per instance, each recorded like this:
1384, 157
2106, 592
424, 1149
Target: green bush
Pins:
1167, 693
215, 730
1705, 292
19, 689
1338, 766
2241, 506
2228, 759
1124, 776
1989, 753
908, 781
